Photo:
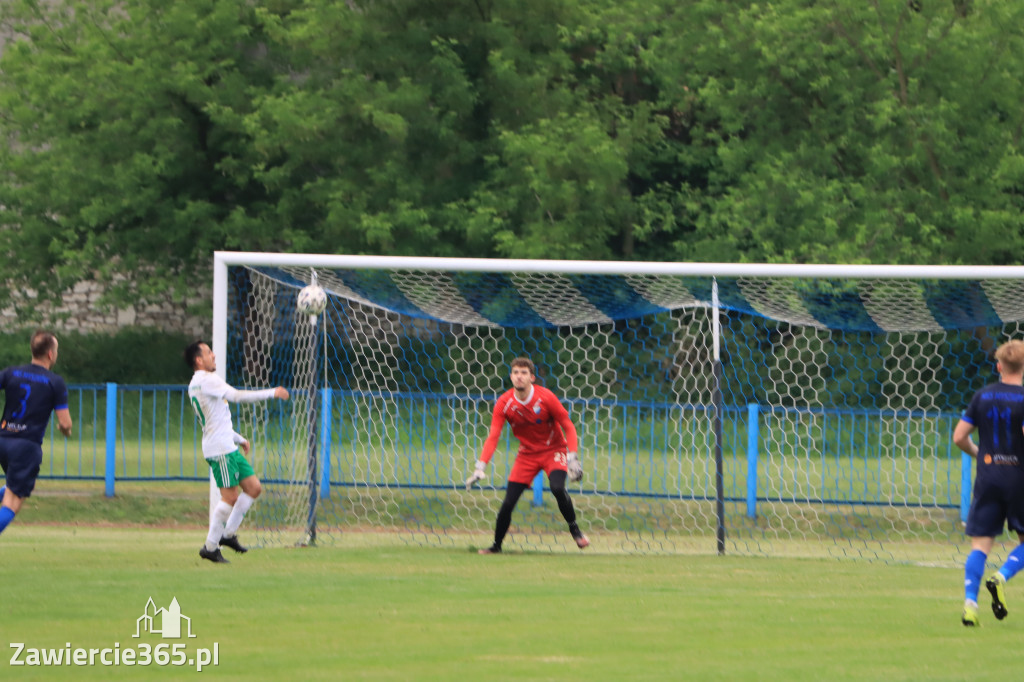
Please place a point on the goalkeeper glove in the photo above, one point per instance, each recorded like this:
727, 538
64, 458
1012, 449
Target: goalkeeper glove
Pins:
574, 467
478, 474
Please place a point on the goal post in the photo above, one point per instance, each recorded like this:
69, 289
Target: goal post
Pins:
762, 409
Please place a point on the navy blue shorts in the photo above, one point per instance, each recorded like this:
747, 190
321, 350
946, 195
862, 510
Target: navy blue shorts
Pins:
20, 460
998, 499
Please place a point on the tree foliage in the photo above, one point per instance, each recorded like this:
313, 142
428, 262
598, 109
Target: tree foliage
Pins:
140, 135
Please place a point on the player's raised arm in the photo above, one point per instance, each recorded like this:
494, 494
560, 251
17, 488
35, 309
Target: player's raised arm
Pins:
234, 395
218, 388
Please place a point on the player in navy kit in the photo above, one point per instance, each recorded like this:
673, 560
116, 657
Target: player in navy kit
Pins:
547, 442
997, 412
31, 393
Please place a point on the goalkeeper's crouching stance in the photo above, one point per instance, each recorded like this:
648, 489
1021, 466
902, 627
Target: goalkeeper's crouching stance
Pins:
547, 442
210, 395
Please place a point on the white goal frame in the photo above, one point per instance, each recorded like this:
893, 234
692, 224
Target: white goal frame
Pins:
223, 260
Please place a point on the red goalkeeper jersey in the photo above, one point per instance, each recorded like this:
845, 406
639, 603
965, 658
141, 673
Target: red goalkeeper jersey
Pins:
541, 424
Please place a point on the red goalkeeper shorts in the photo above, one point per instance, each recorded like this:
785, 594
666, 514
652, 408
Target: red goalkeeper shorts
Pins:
526, 467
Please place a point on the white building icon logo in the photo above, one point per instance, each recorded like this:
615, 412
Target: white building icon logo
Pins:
170, 620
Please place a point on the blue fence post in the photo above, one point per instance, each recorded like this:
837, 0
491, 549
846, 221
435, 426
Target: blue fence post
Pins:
325, 443
111, 439
538, 490
753, 438
966, 465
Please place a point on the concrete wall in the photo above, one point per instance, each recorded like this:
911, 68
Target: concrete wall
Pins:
79, 311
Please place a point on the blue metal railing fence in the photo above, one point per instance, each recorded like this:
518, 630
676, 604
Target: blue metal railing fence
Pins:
149, 433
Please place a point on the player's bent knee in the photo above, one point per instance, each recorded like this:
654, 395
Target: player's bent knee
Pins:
252, 487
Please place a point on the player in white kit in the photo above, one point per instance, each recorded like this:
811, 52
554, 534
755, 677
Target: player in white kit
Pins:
224, 448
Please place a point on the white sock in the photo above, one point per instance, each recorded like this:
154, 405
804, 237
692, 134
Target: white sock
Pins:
220, 515
235, 520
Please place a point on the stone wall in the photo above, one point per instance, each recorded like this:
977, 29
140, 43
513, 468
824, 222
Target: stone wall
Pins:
79, 311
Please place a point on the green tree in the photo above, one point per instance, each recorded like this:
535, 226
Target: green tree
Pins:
116, 161
446, 128
862, 132
141, 135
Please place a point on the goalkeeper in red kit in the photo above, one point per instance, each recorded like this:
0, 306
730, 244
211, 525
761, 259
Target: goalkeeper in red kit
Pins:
547, 442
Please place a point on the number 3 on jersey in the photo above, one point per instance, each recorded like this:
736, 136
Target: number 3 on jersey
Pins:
24, 401
198, 411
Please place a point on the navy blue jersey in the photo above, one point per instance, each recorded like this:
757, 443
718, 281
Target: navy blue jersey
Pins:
997, 412
32, 393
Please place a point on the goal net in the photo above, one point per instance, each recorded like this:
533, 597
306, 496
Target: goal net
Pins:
759, 410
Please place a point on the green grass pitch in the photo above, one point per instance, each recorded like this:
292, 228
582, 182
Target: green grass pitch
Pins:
366, 609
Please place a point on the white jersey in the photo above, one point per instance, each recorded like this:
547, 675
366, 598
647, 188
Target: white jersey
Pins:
209, 395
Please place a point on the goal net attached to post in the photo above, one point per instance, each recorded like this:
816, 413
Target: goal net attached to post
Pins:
745, 409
